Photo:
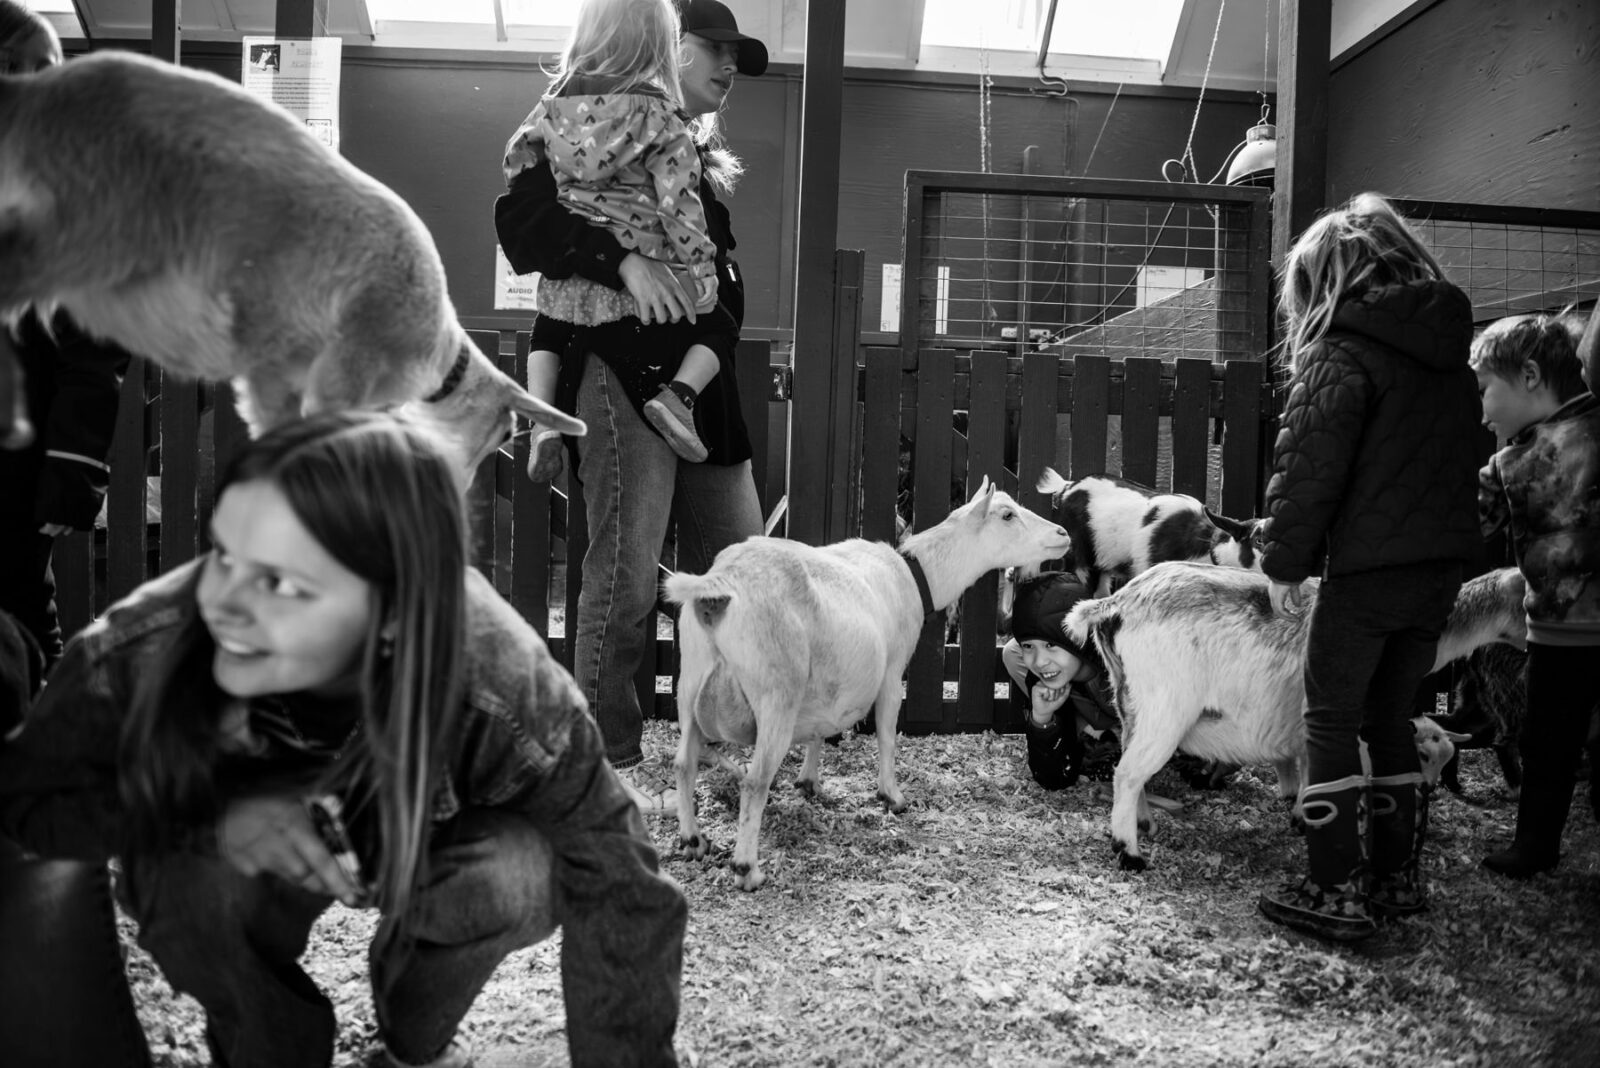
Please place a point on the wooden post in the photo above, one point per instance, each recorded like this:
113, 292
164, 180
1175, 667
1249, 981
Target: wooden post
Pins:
1301, 185
164, 32
301, 18
819, 365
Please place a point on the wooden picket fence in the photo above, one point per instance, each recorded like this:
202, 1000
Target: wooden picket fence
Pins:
1190, 426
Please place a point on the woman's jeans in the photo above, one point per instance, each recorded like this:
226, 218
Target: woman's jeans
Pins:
64, 997
633, 483
1373, 639
233, 942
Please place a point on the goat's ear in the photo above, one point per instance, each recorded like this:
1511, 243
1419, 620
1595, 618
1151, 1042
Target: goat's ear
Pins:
1457, 737
984, 496
1238, 529
546, 415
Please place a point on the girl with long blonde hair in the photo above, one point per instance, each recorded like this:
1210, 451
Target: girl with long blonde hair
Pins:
332, 704
1374, 491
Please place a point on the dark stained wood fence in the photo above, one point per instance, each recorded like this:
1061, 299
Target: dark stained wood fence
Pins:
962, 416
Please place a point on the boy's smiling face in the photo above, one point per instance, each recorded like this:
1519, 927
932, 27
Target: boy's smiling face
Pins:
1510, 405
1054, 665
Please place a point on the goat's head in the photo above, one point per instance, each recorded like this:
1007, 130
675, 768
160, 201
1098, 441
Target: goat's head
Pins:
1435, 747
1237, 542
479, 413
1488, 608
1005, 534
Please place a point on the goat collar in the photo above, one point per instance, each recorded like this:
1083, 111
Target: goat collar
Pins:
451, 380
921, 580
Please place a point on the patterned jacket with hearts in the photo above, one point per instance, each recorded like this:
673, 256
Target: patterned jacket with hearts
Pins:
627, 161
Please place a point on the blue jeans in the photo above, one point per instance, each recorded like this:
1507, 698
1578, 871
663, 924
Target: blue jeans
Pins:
234, 942
633, 483
1373, 639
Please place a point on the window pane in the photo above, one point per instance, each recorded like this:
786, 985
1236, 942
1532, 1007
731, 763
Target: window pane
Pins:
1135, 29
431, 10
562, 13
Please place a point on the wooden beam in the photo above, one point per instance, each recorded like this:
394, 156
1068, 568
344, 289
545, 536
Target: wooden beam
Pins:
815, 462
1301, 186
164, 32
301, 18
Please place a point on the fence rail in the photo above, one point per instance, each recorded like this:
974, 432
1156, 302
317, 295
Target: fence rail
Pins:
928, 430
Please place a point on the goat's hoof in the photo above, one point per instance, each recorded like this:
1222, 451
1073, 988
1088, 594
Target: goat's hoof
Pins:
695, 847
748, 877
1146, 827
892, 803
1131, 861
807, 787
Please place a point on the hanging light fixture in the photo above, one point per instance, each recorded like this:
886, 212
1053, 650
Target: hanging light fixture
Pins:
1256, 163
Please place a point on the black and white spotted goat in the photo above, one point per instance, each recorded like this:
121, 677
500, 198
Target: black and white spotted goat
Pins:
1120, 528
1198, 661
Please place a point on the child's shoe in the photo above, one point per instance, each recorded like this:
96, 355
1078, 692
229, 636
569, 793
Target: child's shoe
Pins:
544, 458
674, 420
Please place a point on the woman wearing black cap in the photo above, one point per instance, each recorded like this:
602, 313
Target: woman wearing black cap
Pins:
633, 482
1048, 669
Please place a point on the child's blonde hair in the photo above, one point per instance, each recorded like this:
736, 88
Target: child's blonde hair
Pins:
1543, 340
1342, 255
634, 41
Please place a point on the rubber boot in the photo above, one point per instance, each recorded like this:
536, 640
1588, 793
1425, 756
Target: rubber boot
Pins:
1541, 816
1399, 829
1331, 901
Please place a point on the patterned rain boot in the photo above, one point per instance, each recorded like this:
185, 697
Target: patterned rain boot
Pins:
1399, 828
1331, 901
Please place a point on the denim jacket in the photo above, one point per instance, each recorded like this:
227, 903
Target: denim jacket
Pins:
526, 744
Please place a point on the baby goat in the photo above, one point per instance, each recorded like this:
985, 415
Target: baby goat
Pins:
173, 212
1121, 528
1198, 661
785, 642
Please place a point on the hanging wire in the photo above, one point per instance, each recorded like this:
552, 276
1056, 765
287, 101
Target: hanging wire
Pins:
1103, 124
1186, 160
985, 84
1266, 59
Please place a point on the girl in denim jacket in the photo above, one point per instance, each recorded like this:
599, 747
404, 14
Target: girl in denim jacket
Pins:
332, 705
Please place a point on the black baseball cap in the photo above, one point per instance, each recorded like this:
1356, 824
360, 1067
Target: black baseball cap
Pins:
714, 22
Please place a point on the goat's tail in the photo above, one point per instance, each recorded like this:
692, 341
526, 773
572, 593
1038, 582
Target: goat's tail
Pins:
706, 596
1051, 482
1093, 622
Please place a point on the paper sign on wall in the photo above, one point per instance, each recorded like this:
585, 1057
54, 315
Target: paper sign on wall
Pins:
513, 291
300, 76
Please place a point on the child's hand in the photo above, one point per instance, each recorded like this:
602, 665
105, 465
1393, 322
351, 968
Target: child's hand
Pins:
1045, 700
1288, 598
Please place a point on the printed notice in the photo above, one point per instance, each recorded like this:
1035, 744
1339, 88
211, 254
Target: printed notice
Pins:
513, 291
301, 76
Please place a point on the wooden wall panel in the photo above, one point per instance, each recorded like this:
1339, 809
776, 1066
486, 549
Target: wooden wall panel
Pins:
1483, 101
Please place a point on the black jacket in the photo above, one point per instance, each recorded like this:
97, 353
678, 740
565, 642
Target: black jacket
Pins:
73, 384
1376, 460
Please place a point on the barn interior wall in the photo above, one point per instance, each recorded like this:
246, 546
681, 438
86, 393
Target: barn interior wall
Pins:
433, 129
1482, 101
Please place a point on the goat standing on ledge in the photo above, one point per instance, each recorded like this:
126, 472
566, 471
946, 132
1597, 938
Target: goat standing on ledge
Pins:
1121, 528
1198, 661
785, 642
176, 214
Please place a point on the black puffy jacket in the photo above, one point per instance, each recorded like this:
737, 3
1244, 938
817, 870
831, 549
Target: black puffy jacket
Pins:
1377, 456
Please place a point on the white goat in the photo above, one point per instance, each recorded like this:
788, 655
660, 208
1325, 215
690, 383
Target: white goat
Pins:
194, 224
1198, 661
1120, 528
785, 642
